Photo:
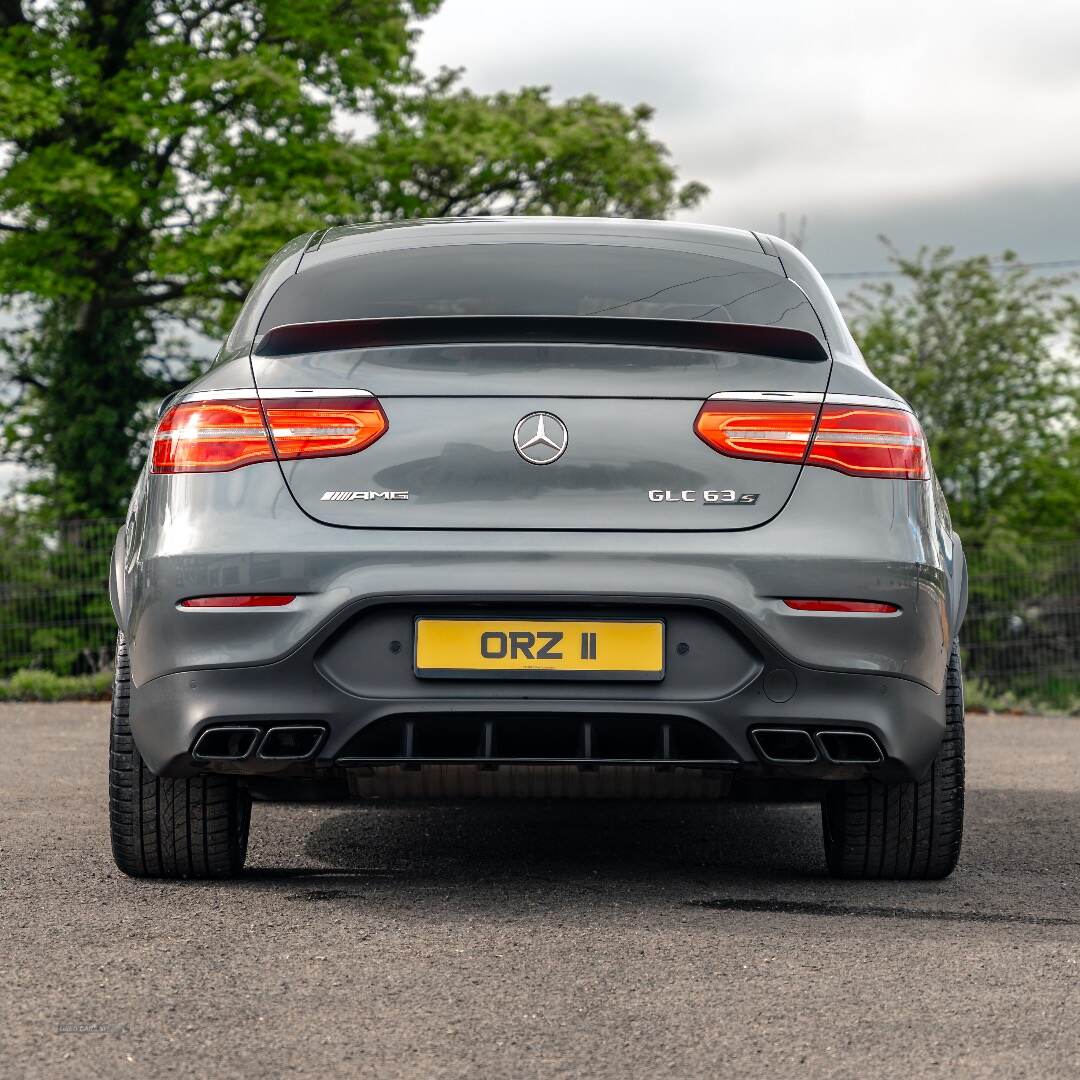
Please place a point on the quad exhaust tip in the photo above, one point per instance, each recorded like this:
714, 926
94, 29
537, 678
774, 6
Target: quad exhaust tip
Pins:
230, 743
295, 742
237, 742
850, 747
794, 746
785, 746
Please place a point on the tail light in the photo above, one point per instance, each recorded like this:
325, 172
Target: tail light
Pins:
766, 431
869, 442
216, 436
860, 440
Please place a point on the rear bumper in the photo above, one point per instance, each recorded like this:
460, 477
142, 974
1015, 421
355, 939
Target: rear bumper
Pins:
732, 684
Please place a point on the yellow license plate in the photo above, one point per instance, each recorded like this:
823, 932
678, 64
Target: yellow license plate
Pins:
539, 648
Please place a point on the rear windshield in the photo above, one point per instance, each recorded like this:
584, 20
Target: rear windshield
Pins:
541, 279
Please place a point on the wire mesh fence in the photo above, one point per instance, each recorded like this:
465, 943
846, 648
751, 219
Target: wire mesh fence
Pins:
1022, 631
54, 603
1021, 635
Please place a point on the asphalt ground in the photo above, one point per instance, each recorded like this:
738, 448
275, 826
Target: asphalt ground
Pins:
538, 940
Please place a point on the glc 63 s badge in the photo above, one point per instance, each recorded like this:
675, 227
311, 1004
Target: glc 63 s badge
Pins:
710, 497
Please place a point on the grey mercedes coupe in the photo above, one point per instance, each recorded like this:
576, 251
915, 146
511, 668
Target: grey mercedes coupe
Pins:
538, 508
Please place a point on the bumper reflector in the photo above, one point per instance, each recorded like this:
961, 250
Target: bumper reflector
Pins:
251, 600
858, 607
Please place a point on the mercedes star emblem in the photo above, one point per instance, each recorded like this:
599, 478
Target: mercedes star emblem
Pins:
540, 438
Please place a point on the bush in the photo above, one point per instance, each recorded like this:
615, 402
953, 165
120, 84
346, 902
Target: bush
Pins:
48, 686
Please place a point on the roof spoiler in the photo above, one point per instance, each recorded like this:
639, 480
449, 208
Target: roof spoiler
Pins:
778, 341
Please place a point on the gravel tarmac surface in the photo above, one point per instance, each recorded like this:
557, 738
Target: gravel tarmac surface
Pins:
538, 940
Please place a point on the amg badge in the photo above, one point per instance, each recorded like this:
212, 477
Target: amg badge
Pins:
366, 496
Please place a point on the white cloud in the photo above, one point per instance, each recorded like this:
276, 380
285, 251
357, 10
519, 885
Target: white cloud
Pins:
801, 106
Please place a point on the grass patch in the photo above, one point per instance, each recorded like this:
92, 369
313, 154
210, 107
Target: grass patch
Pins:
1061, 698
48, 686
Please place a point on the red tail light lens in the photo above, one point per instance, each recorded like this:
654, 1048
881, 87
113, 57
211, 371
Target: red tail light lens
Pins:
216, 436
870, 442
254, 600
210, 436
324, 427
854, 439
765, 431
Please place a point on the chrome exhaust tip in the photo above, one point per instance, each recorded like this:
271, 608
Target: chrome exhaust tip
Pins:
785, 746
850, 748
291, 742
227, 743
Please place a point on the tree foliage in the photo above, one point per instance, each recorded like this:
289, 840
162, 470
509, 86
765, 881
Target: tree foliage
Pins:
988, 356
154, 153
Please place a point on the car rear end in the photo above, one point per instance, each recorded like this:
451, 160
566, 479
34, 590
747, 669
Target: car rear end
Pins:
539, 509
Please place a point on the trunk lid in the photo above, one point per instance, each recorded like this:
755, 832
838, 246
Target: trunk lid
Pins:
631, 460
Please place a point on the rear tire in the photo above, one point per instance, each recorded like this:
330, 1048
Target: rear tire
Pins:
907, 831
166, 828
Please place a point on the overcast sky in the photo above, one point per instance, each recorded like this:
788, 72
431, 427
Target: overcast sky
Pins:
950, 121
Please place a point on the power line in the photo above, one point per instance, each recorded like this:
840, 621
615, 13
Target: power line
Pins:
1051, 264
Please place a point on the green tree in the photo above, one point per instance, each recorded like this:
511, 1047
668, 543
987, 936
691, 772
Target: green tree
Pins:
153, 154
987, 354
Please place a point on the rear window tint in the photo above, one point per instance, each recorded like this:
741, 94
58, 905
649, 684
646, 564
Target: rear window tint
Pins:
541, 279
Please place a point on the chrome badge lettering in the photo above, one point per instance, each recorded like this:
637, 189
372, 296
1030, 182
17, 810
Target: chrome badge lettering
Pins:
364, 496
710, 496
